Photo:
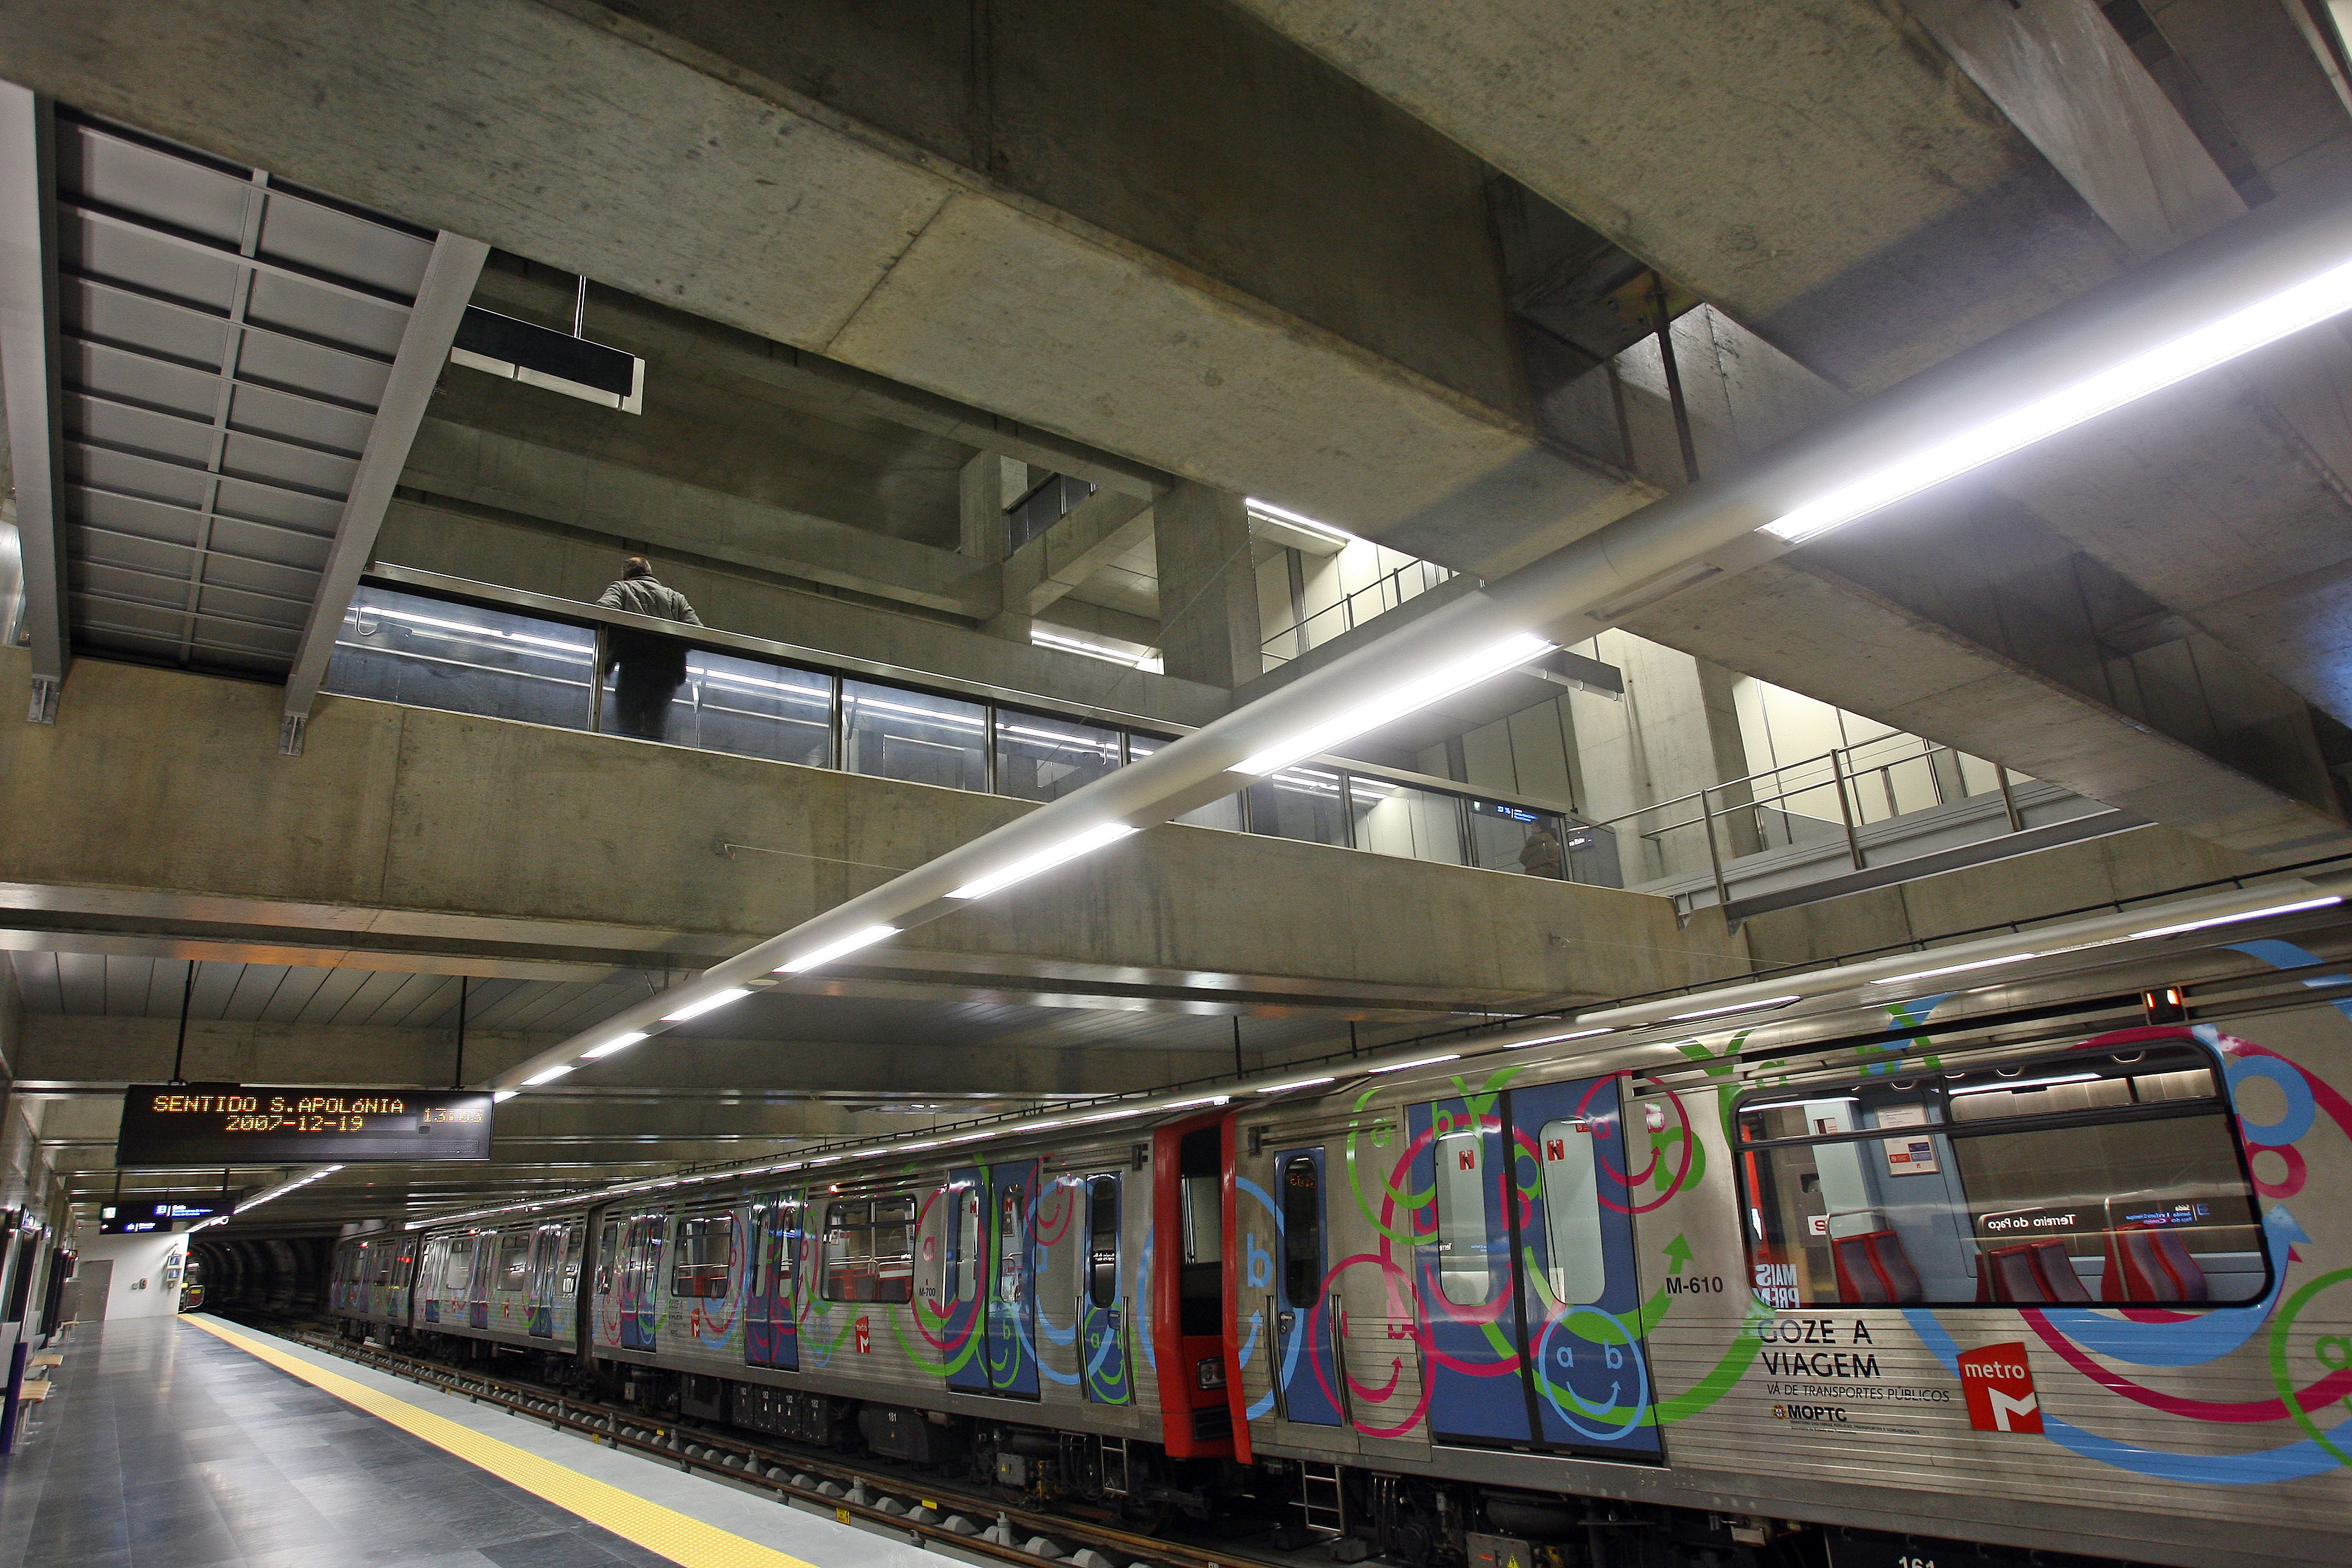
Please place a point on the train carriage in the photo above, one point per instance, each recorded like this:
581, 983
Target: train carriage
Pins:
2049, 1261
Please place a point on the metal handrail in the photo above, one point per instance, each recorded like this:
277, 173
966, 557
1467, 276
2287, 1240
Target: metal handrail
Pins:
1345, 605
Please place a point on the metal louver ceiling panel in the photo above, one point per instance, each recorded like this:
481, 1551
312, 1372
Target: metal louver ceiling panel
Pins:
224, 342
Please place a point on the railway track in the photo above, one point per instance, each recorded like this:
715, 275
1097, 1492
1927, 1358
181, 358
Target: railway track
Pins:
957, 1524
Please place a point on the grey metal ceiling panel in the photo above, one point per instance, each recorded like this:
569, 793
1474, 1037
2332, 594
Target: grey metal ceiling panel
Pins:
300, 989
224, 343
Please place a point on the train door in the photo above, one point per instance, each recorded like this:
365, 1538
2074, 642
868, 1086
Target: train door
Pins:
538, 1314
1012, 1324
642, 1282
477, 1295
1103, 1362
436, 1259
1579, 1289
1299, 1311
770, 1333
969, 1283
1467, 1285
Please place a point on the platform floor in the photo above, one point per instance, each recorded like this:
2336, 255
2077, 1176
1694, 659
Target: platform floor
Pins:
166, 1446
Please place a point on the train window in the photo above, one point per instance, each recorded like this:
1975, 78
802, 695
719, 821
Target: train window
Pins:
1010, 1247
459, 1272
2026, 1182
571, 1258
1576, 1271
1102, 1240
700, 1266
608, 1246
1302, 1230
966, 1261
1204, 1220
869, 1251
1464, 1271
514, 1262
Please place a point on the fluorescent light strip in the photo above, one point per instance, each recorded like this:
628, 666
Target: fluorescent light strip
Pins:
1282, 514
1398, 701
1557, 1039
1046, 859
709, 1004
2242, 331
1416, 1062
2233, 919
1958, 968
1768, 1002
1295, 1083
548, 1075
2023, 1083
831, 951
621, 1042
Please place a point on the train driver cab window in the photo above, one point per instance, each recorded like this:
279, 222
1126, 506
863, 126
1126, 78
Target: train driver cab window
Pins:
1464, 1269
1302, 1231
1102, 1240
964, 1259
514, 1262
459, 1271
2082, 1176
381, 1257
699, 1268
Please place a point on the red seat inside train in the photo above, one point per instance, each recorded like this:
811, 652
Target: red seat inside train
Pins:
2151, 1263
1873, 1268
2030, 1271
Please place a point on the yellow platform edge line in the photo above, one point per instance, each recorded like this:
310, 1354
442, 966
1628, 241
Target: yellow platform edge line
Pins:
676, 1536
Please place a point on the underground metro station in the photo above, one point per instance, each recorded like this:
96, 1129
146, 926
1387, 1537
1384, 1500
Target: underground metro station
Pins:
1176, 783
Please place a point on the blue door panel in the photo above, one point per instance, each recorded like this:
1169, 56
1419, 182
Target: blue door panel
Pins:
1462, 1270
1012, 1324
963, 1330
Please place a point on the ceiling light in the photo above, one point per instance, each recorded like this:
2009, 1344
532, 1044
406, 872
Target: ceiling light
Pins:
1556, 1039
711, 1002
502, 1095
1398, 701
831, 951
1204, 1100
617, 1043
1768, 1002
2265, 321
1416, 1062
1295, 1083
2023, 1083
548, 1075
1046, 859
1958, 968
2233, 919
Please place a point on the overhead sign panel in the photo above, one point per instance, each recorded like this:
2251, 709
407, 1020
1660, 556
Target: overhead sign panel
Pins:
262, 1124
138, 1219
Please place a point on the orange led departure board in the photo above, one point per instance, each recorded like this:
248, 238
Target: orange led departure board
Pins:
235, 1123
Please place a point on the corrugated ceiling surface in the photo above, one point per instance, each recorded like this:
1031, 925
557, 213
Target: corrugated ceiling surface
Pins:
224, 345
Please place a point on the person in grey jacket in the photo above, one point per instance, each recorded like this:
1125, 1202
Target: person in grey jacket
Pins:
651, 667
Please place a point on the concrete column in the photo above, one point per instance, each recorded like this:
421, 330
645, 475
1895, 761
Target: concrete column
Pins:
980, 496
1208, 588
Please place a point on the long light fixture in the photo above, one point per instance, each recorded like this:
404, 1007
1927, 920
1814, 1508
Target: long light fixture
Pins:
2241, 332
1959, 968
1519, 648
711, 1004
831, 950
2233, 919
1557, 1039
620, 1042
1044, 859
2023, 1083
1416, 1062
1297, 1083
1768, 1003
548, 1075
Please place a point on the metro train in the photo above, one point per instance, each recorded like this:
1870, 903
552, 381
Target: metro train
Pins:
2047, 1250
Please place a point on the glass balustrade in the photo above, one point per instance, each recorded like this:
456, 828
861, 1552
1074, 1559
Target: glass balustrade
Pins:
466, 656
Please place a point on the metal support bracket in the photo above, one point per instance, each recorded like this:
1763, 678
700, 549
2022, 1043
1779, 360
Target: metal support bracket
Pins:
289, 734
45, 690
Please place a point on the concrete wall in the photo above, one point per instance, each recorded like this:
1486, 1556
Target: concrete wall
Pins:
2075, 877
161, 791
138, 1289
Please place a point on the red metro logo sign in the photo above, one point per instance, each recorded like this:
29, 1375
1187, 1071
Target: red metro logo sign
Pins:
1999, 1384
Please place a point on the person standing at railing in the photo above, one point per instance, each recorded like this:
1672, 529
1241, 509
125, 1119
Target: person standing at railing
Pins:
650, 668
1539, 855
